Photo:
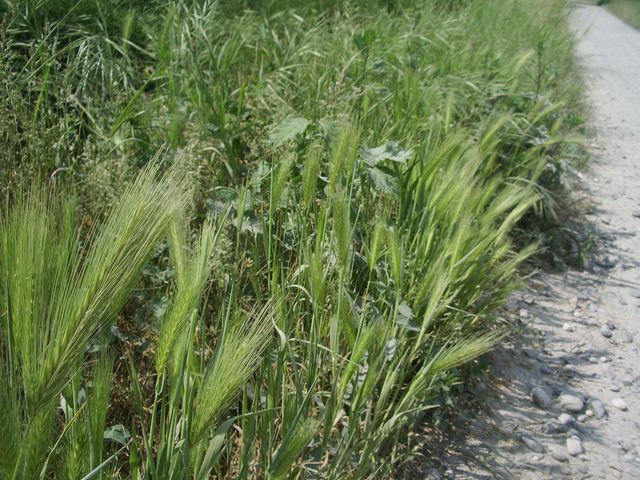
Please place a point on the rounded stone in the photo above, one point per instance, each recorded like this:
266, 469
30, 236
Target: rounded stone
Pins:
541, 398
566, 419
532, 444
555, 428
558, 453
598, 408
574, 446
620, 404
571, 403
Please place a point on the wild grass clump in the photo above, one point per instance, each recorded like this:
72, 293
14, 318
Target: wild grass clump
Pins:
626, 10
345, 193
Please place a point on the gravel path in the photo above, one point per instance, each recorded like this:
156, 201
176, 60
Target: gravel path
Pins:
566, 400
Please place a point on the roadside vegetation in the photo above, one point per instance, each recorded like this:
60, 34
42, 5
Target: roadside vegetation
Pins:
263, 239
627, 10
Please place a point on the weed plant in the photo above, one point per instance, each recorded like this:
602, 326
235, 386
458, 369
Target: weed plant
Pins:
626, 10
319, 249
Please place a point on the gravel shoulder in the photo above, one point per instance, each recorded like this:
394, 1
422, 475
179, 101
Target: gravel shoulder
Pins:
565, 401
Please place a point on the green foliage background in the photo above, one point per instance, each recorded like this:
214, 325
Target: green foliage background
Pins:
356, 185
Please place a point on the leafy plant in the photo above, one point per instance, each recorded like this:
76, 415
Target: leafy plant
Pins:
354, 187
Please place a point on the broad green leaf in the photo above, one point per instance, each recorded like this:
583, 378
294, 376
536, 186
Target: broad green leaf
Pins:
389, 151
363, 40
287, 129
117, 433
406, 318
383, 182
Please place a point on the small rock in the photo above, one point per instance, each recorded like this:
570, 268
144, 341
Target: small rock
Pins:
592, 322
582, 418
568, 327
523, 313
614, 387
528, 299
589, 413
620, 404
541, 398
607, 261
603, 359
565, 470
593, 360
627, 380
582, 469
605, 331
598, 408
571, 403
566, 419
555, 428
532, 444
574, 446
559, 453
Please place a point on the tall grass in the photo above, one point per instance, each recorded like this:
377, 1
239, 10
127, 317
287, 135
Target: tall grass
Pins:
349, 189
626, 10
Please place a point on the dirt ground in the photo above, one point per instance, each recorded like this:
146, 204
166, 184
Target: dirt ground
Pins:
564, 400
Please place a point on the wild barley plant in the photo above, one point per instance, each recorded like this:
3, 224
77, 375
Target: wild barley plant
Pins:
58, 293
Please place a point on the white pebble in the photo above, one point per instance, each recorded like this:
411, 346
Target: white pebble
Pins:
620, 404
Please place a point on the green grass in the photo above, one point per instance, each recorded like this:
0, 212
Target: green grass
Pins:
627, 10
341, 196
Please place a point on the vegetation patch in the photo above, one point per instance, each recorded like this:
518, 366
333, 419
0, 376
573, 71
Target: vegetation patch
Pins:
260, 239
627, 10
